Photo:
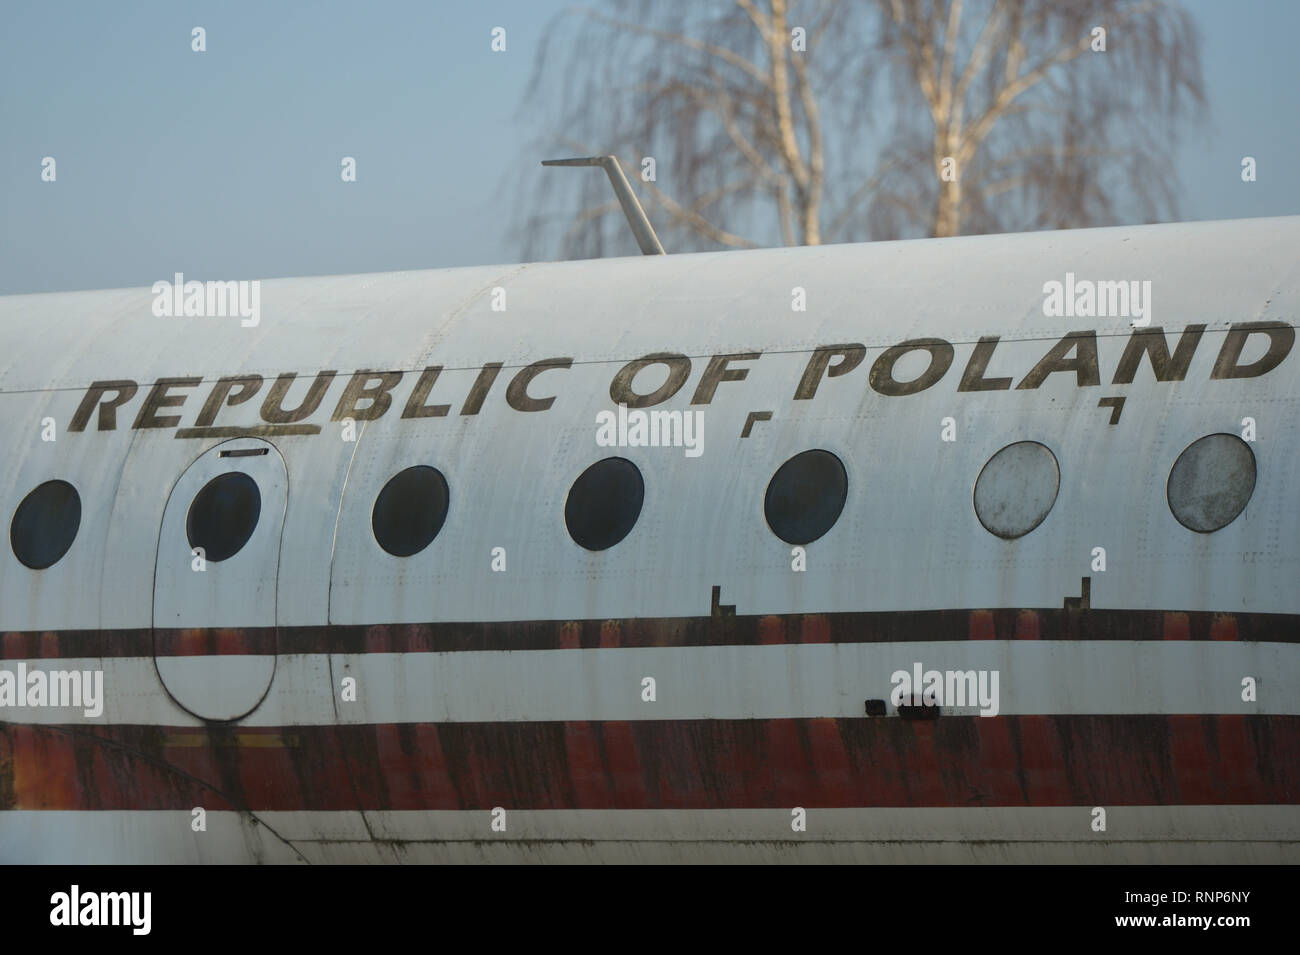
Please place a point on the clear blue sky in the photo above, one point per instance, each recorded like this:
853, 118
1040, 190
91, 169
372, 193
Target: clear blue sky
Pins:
225, 164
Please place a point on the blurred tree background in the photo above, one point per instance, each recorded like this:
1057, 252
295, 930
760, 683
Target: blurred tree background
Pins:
800, 122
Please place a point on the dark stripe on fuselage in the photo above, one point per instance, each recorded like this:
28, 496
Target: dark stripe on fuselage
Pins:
718, 630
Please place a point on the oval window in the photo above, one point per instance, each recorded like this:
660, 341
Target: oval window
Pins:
604, 503
1211, 482
223, 515
410, 510
806, 496
1016, 489
45, 524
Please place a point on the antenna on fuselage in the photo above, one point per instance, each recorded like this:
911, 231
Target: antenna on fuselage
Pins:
636, 217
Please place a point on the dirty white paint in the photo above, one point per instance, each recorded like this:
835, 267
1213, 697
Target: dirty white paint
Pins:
1057, 834
908, 538
1057, 677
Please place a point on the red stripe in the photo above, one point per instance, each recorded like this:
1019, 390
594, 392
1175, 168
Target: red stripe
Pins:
937, 625
209, 641
687, 764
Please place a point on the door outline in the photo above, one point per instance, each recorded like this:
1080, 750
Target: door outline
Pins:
224, 457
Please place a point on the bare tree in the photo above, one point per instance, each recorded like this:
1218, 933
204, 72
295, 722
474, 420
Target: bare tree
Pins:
764, 120
729, 102
1047, 113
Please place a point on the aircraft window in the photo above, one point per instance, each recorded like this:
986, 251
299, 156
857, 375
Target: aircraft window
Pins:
1016, 489
806, 496
1211, 482
410, 510
604, 503
223, 515
45, 524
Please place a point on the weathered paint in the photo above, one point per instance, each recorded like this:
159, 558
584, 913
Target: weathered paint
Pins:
669, 764
898, 571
